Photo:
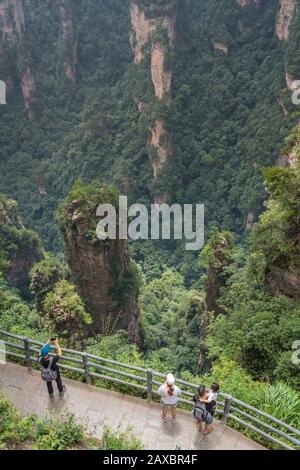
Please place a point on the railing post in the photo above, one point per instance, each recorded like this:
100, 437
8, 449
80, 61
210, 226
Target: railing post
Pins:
27, 352
149, 384
86, 368
227, 408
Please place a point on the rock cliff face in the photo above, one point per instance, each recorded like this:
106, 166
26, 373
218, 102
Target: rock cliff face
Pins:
284, 283
140, 32
284, 19
250, 220
12, 20
12, 30
160, 139
28, 88
221, 47
242, 23
102, 271
286, 161
21, 247
69, 41
155, 26
143, 26
290, 159
161, 77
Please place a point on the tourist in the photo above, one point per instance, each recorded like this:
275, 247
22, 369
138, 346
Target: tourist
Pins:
169, 394
201, 413
211, 398
51, 370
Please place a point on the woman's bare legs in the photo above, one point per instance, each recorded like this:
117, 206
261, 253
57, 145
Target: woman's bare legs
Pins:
199, 425
164, 413
208, 429
174, 413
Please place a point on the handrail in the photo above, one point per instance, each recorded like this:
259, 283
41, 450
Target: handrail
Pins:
266, 415
90, 365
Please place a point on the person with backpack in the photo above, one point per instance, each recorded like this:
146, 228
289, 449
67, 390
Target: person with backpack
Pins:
50, 369
201, 413
169, 394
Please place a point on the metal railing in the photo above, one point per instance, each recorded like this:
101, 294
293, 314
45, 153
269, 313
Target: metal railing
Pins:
145, 380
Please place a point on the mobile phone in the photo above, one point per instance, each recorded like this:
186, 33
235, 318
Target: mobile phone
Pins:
54, 338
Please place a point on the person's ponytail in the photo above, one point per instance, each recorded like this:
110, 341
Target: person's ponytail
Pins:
170, 384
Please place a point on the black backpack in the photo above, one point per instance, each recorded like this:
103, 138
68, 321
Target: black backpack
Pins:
48, 375
201, 413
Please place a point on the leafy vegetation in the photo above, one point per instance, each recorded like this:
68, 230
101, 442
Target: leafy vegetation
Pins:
228, 114
171, 317
56, 433
44, 276
277, 399
13, 430
119, 440
65, 311
225, 115
87, 198
30, 432
261, 298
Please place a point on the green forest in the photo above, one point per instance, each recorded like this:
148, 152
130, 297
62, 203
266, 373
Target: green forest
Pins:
197, 111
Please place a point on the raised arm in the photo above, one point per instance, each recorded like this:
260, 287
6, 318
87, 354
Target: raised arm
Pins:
59, 351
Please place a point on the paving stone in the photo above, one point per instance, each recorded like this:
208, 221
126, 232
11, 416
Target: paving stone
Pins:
165, 445
94, 406
11, 393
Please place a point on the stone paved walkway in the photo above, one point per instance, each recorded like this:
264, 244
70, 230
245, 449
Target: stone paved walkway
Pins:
94, 406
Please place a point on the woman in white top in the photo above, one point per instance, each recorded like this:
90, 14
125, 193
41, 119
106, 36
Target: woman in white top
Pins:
212, 398
169, 394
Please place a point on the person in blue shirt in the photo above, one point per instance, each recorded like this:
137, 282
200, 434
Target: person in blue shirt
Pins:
44, 362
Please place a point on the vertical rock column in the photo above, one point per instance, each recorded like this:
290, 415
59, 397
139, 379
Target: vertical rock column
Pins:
69, 41
284, 18
12, 32
102, 271
155, 26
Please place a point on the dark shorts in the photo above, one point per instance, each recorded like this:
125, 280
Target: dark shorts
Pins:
209, 420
